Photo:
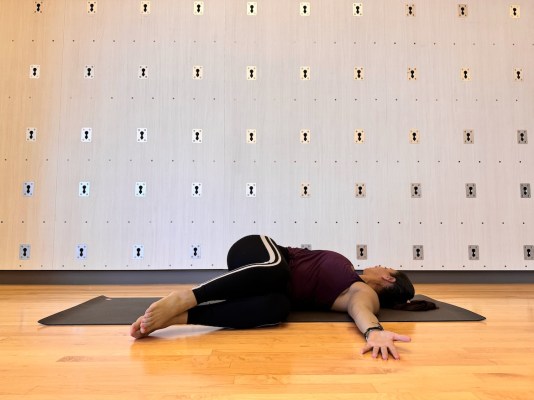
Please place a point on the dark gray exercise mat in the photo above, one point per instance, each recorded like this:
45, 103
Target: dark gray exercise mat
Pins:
104, 310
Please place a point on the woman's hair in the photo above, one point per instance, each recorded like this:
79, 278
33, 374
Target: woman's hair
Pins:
399, 292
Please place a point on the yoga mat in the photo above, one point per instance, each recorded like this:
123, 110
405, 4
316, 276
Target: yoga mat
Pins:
104, 310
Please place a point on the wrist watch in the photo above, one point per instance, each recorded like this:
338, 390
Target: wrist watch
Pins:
373, 328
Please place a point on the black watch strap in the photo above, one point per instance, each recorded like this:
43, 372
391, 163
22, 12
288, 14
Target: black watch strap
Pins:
373, 328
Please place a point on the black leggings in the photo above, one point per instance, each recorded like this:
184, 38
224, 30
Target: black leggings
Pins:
254, 291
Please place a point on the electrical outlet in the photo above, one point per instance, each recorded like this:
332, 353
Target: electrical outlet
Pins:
31, 134
84, 189
35, 71
361, 190
25, 251
196, 189
357, 9
144, 8
89, 72
195, 251
91, 7
518, 74
251, 190
251, 136
412, 74
305, 9
39, 7
522, 137
515, 11
361, 252
81, 252
418, 252
142, 72
474, 252
140, 189
198, 72
470, 190
469, 136
359, 136
358, 73
525, 190
198, 8
306, 246
138, 252
305, 190
410, 10
305, 73
87, 135
197, 136
529, 252
28, 189
414, 136
252, 8
142, 135
465, 74
417, 191
251, 73
462, 10
305, 136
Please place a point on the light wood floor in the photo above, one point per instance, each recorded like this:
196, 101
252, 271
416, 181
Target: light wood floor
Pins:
493, 359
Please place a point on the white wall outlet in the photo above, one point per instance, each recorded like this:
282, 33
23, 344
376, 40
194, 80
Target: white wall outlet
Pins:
529, 252
357, 9
469, 136
84, 189
525, 190
518, 74
144, 7
140, 189
35, 71
251, 136
305, 190
198, 8
305, 73
417, 191
463, 10
39, 5
251, 190
415, 136
138, 252
28, 189
25, 251
361, 252
410, 10
305, 136
142, 135
474, 253
251, 73
195, 251
196, 189
358, 73
412, 74
142, 72
522, 137
197, 136
31, 134
471, 190
360, 190
252, 8
198, 72
515, 11
305, 9
465, 74
418, 252
359, 136
89, 72
81, 252
91, 7
87, 135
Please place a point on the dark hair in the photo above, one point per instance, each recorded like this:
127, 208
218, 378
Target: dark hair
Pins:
399, 292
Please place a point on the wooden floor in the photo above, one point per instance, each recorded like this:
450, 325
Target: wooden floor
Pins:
493, 359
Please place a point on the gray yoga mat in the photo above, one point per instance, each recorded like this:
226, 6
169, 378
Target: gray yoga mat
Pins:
104, 310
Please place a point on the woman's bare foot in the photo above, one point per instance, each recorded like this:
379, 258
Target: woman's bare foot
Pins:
161, 313
135, 329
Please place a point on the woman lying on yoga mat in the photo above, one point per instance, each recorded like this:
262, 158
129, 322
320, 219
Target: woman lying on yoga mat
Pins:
266, 280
